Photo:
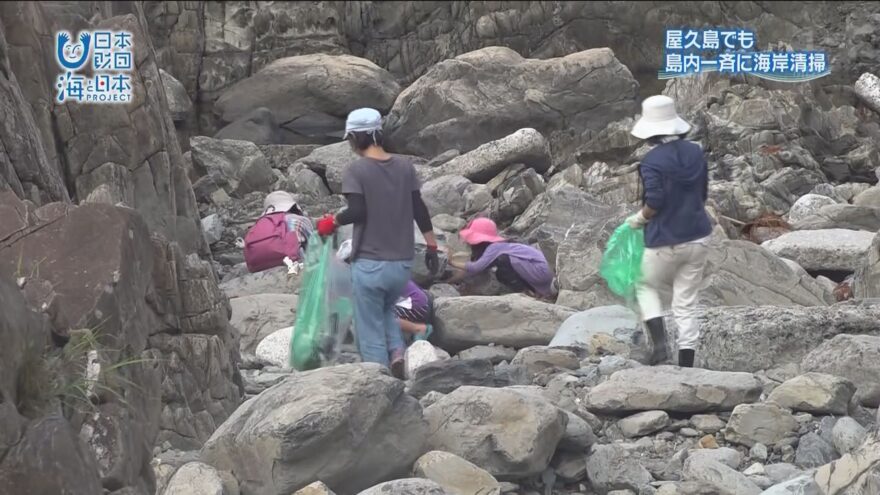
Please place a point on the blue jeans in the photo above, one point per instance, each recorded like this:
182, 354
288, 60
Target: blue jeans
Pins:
377, 286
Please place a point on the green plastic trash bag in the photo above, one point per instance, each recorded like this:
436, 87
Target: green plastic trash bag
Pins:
324, 307
622, 262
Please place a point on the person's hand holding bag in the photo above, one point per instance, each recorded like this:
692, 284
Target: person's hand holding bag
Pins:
326, 225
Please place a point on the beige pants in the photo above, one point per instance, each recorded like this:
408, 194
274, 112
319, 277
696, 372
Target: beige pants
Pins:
676, 271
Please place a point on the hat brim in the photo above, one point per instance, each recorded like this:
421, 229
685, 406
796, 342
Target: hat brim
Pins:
279, 207
473, 238
672, 127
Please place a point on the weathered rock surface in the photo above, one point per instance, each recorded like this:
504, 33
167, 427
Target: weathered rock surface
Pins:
767, 424
724, 479
867, 277
258, 126
611, 467
445, 195
456, 475
644, 423
275, 347
853, 357
447, 107
852, 473
832, 249
813, 451
725, 455
550, 218
494, 353
759, 338
237, 167
515, 321
849, 217
672, 389
310, 95
742, 273
525, 146
848, 435
409, 486
807, 206
303, 429
509, 434
446, 375
257, 316
195, 478
179, 103
272, 281
815, 393
537, 359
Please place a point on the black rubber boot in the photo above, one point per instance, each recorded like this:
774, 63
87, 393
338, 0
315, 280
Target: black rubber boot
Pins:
686, 358
657, 334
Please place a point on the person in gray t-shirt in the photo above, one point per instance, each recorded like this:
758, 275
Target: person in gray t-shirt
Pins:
382, 191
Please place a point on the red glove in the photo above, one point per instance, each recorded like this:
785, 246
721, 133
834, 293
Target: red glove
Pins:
326, 225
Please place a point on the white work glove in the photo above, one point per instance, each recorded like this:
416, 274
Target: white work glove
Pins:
637, 221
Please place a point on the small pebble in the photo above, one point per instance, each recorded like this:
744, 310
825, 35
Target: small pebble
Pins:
708, 442
759, 452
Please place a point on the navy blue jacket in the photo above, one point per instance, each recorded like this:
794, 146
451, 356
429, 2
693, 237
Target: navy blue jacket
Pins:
675, 179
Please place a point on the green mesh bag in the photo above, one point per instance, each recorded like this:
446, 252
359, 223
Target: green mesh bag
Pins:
324, 307
622, 262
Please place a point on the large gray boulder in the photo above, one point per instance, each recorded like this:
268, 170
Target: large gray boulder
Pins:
853, 357
807, 206
515, 321
257, 316
258, 126
581, 249
195, 478
672, 389
446, 375
611, 467
525, 146
830, 249
350, 426
767, 424
445, 195
815, 393
725, 480
836, 216
760, 338
604, 330
310, 95
455, 474
179, 103
742, 273
272, 281
237, 167
551, 217
487, 94
509, 434
869, 197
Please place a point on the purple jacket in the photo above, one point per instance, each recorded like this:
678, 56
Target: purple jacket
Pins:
527, 261
414, 292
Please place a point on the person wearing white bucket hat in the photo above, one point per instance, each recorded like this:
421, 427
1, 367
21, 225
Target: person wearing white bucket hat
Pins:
675, 182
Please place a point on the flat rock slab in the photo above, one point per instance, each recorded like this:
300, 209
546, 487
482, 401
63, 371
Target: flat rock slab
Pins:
515, 321
830, 249
759, 338
673, 389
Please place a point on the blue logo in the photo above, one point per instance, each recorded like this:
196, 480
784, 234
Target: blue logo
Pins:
97, 67
690, 51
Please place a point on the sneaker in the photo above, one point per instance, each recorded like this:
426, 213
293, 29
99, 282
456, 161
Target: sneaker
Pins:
397, 364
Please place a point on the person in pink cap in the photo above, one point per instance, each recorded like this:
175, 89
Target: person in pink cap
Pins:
520, 267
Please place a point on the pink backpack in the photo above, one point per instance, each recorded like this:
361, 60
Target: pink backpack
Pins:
268, 242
